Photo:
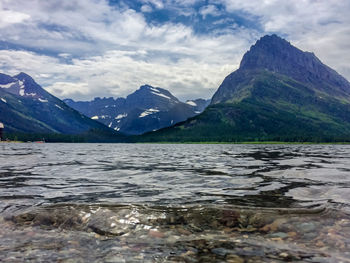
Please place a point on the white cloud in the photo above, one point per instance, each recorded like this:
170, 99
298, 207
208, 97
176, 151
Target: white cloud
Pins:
157, 3
209, 10
117, 56
118, 73
319, 26
10, 17
146, 9
105, 50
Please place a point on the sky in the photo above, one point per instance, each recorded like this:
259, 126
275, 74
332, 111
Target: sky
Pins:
82, 49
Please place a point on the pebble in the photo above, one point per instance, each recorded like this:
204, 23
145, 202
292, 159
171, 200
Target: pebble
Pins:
310, 235
274, 225
307, 227
279, 235
234, 259
188, 253
276, 239
184, 232
291, 234
73, 242
284, 255
227, 230
319, 243
156, 233
219, 251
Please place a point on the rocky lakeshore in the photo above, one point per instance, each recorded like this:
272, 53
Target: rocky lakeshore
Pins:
124, 233
174, 203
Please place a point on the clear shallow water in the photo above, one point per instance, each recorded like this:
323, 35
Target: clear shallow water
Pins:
174, 203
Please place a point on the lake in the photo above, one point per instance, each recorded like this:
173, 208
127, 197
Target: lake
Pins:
174, 203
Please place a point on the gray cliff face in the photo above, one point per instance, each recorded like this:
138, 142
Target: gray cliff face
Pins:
276, 55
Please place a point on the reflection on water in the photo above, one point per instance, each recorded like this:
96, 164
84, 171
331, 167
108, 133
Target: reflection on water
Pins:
174, 203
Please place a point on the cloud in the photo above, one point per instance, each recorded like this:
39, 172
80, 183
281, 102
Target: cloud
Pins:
146, 9
209, 10
112, 51
156, 3
11, 17
118, 73
319, 26
87, 48
8, 17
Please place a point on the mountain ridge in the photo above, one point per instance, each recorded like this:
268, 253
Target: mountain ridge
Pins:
27, 108
278, 93
146, 109
277, 55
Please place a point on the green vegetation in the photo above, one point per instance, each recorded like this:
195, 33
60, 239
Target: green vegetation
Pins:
93, 135
277, 109
269, 108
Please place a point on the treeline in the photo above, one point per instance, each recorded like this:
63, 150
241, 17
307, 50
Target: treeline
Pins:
251, 122
188, 137
91, 136
173, 138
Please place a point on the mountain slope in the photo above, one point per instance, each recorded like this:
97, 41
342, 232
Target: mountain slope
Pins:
147, 109
26, 107
278, 93
276, 55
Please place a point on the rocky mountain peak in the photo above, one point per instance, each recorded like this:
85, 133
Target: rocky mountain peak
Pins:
147, 96
29, 82
155, 91
276, 55
24, 77
23, 85
146, 87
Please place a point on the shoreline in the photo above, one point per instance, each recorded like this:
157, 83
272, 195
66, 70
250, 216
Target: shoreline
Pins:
243, 143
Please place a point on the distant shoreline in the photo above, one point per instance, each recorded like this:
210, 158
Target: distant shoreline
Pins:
261, 142
242, 143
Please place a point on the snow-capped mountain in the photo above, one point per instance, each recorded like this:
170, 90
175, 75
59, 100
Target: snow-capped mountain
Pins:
147, 109
26, 107
23, 85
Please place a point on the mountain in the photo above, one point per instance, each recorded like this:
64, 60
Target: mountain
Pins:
25, 107
198, 104
275, 55
147, 109
278, 93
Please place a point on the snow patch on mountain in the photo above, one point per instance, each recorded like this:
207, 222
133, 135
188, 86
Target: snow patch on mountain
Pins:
148, 112
154, 89
21, 88
59, 107
161, 95
192, 103
8, 85
121, 116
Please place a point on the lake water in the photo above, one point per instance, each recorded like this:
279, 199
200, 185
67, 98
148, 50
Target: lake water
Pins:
174, 203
